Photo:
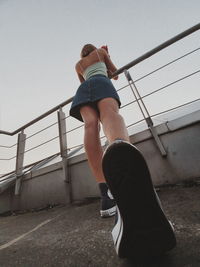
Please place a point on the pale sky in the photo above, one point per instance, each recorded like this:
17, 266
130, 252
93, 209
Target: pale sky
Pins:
41, 40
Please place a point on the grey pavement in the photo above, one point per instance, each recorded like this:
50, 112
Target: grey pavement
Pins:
76, 236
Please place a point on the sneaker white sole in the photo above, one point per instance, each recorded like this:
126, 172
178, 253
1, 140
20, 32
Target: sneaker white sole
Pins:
108, 213
117, 232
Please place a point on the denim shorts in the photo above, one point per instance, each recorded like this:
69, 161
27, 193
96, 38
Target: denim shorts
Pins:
90, 92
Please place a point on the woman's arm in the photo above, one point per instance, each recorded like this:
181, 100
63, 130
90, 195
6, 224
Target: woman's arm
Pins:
81, 79
109, 64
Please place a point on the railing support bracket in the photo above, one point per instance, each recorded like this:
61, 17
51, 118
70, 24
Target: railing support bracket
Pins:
19, 161
63, 150
145, 113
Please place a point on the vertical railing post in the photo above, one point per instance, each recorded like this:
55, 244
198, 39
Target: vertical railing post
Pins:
19, 161
145, 113
63, 150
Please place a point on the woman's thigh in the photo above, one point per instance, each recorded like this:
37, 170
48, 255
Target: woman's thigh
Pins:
90, 116
107, 105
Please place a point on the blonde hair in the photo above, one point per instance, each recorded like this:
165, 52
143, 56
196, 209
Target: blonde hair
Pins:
87, 49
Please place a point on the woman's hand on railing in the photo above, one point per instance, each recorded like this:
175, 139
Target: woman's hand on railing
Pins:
105, 47
110, 75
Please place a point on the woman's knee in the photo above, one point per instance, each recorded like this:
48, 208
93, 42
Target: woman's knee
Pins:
90, 118
92, 125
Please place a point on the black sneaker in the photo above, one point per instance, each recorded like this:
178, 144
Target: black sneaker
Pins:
142, 228
108, 204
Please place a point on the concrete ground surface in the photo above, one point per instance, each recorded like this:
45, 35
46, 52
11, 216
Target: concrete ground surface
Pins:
76, 236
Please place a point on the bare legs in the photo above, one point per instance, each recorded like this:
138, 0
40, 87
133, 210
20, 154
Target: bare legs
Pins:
92, 141
112, 122
113, 127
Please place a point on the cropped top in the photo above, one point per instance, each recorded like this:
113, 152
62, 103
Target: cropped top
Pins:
94, 69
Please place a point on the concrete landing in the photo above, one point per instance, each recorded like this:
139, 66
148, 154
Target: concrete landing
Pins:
75, 236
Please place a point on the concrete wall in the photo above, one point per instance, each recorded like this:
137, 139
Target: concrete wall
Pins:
42, 190
83, 182
181, 139
183, 156
5, 201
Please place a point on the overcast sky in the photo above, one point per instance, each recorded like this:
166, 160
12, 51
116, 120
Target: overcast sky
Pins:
40, 43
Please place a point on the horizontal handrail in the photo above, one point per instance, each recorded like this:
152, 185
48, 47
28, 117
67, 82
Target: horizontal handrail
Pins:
119, 71
38, 118
157, 49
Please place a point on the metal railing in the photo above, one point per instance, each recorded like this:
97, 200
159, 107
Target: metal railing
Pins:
138, 99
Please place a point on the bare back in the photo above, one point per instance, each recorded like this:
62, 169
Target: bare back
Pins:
98, 55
